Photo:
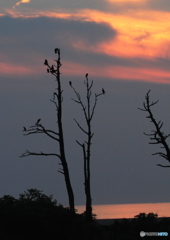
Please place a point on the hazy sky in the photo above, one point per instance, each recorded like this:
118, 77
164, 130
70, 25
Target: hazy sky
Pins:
125, 48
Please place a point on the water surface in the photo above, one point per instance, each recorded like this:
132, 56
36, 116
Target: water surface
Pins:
128, 210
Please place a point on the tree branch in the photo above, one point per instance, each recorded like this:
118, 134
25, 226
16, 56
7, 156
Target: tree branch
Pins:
162, 165
28, 153
80, 127
157, 136
40, 129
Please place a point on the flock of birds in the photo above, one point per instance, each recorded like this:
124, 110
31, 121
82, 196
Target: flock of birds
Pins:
56, 50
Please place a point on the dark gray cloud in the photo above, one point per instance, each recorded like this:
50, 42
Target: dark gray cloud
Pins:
118, 7
163, 5
7, 4
23, 37
72, 4
54, 27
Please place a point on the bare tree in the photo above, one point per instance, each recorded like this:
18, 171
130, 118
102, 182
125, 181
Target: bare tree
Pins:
157, 136
88, 112
57, 136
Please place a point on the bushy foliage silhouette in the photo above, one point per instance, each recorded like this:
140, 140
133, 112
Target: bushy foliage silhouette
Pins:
129, 229
35, 215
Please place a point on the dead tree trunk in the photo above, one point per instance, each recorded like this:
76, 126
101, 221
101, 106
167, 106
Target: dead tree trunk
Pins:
86, 146
57, 136
157, 136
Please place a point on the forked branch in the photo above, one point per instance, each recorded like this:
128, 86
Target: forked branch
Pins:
157, 136
88, 111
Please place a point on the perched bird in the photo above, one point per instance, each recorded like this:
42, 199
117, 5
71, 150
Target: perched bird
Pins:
45, 62
24, 128
86, 75
38, 121
48, 70
52, 69
54, 94
56, 50
103, 91
70, 83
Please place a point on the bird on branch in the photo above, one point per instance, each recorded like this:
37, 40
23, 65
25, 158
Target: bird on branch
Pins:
37, 123
52, 69
86, 75
24, 129
46, 62
70, 83
56, 50
103, 91
54, 94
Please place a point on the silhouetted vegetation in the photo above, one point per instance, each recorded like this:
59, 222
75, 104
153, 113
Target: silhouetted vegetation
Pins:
35, 215
38, 128
157, 136
88, 111
130, 229
58, 136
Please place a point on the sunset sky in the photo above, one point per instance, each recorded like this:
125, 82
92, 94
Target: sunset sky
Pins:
124, 45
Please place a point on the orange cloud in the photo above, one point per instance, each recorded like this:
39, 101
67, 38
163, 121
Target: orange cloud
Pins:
117, 1
17, 70
75, 69
118, 72
142, 74
141, 33
22, 1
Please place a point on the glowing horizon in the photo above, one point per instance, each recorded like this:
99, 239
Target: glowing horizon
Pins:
116, 211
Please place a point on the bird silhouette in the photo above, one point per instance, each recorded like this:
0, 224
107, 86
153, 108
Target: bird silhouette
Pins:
103, 91
86, 75
38, 121
56, 50
70, 83
52, 69
45, 62
24, 128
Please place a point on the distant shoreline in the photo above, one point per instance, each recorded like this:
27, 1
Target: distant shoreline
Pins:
127, 210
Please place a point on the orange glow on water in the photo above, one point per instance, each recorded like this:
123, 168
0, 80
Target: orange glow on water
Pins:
128, 210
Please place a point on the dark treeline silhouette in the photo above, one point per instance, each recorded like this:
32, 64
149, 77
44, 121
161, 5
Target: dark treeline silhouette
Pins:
36, 216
